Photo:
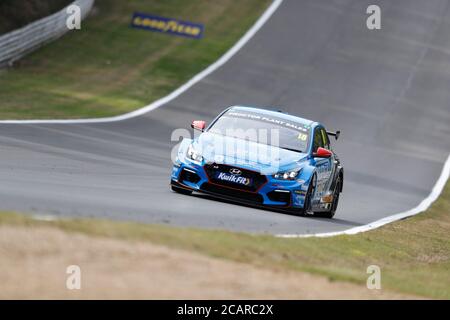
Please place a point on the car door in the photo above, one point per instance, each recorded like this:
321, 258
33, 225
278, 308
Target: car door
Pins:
323, 165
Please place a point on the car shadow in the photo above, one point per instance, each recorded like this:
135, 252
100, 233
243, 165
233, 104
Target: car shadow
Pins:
335, 221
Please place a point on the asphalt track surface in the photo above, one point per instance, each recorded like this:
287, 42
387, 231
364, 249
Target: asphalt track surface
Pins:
386, 90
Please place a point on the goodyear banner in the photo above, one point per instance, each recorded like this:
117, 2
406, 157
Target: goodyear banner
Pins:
167, 25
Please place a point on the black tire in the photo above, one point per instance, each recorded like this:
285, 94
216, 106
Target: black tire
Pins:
334, 205
307, 208
181, 190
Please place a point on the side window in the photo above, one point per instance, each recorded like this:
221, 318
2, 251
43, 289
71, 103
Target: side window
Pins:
318, 142
326, 140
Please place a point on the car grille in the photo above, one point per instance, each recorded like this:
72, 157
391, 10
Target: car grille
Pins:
232, 193
257, 179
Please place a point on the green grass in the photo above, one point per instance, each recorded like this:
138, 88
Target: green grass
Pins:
414, 254
108, 68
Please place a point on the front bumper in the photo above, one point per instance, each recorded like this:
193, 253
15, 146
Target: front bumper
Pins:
265, 191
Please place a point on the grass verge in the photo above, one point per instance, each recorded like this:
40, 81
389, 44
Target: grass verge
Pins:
108, 68
414, 254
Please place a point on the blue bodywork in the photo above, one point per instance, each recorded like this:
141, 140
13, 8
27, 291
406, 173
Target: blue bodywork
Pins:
269, 190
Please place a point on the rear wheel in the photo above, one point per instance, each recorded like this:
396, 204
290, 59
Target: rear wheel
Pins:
181, 190
334, 204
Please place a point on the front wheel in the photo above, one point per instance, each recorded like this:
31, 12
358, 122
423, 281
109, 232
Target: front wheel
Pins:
334, 204
181, 190
307, 206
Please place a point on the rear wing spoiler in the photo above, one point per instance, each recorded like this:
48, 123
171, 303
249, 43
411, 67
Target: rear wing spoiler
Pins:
335, 134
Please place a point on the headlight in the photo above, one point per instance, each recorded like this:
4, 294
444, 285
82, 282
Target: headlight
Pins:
193, 154
287, 175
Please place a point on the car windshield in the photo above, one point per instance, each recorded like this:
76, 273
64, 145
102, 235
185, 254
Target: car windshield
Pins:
262, 128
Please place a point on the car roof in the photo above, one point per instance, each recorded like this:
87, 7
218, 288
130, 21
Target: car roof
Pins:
279, 114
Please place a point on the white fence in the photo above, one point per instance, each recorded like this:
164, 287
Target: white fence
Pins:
17, 43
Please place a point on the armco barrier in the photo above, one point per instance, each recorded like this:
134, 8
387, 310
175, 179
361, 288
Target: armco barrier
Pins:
17, 43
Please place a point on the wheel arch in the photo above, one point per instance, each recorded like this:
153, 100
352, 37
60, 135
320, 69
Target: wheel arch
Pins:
307, 173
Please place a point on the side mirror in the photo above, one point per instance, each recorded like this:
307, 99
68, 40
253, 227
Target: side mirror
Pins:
322, 153
198, 125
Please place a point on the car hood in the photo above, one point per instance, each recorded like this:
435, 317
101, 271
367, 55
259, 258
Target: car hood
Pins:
251, 155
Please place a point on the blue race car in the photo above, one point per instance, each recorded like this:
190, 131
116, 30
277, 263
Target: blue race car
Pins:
262, 157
